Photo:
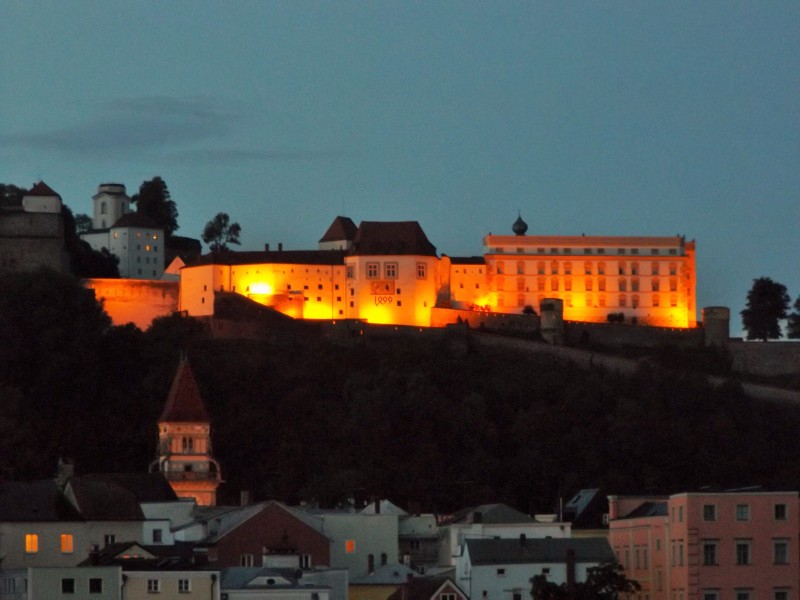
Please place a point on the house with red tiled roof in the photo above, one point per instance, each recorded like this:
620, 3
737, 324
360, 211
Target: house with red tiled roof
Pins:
184, 441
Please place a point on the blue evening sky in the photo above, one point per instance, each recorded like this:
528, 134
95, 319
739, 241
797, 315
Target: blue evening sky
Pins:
604, 118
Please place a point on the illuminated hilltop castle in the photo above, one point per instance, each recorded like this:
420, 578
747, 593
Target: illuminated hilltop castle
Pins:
389, 273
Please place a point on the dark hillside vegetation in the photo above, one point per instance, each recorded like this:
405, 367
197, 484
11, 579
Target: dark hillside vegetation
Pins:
416, 420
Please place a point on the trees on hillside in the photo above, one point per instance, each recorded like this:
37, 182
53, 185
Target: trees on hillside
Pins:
219, 232
793, 322
604, 582
767, 304
154, 201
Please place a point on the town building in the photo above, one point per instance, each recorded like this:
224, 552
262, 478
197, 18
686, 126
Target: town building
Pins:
184, 441
32, 235
135, 239
739, 544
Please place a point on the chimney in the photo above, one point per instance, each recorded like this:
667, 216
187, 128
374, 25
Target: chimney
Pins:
613, 507
280, 246
266, 247
571, 572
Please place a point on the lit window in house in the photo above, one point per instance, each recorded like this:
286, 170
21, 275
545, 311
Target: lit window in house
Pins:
31, 543
372, 270
349, 546
66, 543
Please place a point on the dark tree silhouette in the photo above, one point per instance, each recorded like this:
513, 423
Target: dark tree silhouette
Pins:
219, 232
793, 322
155, 201
767, 304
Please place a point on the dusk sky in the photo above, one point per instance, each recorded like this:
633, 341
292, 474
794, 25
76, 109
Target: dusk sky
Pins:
603, 118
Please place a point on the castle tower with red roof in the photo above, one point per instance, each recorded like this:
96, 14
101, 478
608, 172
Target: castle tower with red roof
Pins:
184, 442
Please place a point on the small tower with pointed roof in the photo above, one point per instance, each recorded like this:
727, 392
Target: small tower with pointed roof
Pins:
184, 442
519, 227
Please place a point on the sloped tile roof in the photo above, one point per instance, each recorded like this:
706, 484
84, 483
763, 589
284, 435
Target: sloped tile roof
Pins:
294, 257
342, 228
392, 238
35, 501
42, 189
184, 404
386, 575
100, 500
135, 219
537, 550
648, 509
422, 588
145, 487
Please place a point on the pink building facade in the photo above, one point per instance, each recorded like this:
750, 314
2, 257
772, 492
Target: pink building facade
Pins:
738, 545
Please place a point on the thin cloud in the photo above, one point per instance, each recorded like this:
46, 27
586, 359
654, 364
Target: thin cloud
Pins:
233, 155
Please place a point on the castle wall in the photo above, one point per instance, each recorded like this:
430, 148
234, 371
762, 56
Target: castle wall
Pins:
136, 301
619, 335
32, 240
765, 358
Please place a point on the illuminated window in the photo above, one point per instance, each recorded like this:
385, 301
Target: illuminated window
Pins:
540, 267
501, 267
656, 300
66, 543
654, 284
621, 268
654, 268
588, 285
601, 284
540, 284
501, 281
673, 284
673, 301
568, 268
520, 284
623, 285
390, 269
588, 299
635, 304
569, 300
351, 272
623, 301
673, 269
587, 268
372, 270
349, 546
422, 271
116, 235
554, 284
634, 285
634, 268
520, 267
568, 284
139, 234
31, 543
155, 236
601, 268
147, 247
601, 301
521, 300
554, 268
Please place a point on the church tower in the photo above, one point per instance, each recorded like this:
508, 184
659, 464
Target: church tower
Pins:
184, 442
110, 203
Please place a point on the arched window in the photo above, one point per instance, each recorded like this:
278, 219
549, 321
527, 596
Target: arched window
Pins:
520, 267
103, 208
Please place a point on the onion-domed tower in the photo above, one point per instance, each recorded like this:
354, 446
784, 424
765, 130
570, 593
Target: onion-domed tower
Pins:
519, 227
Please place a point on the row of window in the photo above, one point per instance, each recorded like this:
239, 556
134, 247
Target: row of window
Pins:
589, 300
154, 586
391, 270
588, 284
67, 542
69, 585
743, 552
588, 269
780, 512
620, 251
742, 594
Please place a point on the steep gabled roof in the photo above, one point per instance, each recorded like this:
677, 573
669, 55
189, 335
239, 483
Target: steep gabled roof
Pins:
184, 404
342, 228
42, 189
537, 550
99, 500
392, 238
145, 487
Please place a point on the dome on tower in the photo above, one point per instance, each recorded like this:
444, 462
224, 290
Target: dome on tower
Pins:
519, 227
